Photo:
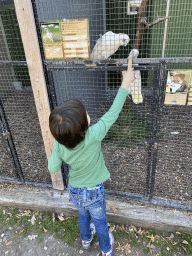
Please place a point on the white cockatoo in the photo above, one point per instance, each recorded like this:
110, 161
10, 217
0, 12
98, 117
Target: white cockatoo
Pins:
135, 88
51, 36
108, 44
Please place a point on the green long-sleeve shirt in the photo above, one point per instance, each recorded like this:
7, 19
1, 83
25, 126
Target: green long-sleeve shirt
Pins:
87, 165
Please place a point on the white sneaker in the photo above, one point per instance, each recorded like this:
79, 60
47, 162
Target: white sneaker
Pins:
110, 253
87, 244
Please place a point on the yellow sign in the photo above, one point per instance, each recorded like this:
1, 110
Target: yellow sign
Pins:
67, 39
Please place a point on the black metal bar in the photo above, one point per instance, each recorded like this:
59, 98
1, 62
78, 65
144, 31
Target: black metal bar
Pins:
118, 61
100, 67
34, 184
65, 171
51, 91
10, 144
13, 63
152, 128
162, 83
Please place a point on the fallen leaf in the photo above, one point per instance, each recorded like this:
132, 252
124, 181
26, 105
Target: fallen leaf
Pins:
156, 237
33, 219
178, 233
121, 255
122, 228
151, 251
134, 228
61, 217
184, 248
30, 188
168, 249
127, 249
27, 213
113, 209
152, 238
53, 216
32, 237
68, 218
111, 229
140, 231
45, 230
1, 240
179, 180
120, 248
8, 243
185, 242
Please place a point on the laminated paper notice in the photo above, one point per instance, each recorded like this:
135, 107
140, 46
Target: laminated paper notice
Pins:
179, 87
66, 39
75, 35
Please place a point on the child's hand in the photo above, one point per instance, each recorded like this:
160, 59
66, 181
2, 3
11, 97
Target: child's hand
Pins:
128, 78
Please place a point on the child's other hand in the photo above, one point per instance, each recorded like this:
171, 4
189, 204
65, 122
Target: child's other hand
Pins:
128, 78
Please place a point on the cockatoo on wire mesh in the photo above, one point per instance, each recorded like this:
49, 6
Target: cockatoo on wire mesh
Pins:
51, 36
108, 44
135, 88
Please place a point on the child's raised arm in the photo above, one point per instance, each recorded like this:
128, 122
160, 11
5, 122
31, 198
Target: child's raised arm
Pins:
128, 78
100, 129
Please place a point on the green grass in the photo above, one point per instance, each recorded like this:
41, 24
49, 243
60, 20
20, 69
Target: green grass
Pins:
68, 230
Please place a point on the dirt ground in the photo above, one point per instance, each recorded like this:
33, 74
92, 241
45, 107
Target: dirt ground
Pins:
14, 243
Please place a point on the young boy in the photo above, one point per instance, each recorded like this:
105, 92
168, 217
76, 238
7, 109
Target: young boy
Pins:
79, 145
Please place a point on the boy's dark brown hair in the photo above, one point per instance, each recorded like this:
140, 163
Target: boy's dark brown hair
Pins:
68, 123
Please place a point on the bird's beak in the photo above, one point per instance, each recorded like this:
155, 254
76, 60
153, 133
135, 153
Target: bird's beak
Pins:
125, 43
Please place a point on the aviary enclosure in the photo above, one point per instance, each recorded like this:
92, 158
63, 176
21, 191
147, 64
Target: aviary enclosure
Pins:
148, 149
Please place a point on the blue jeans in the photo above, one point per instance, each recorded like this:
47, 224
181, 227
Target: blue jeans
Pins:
91, 205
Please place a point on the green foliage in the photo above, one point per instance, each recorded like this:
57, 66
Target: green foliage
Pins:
14, 44
185, 242
68, 230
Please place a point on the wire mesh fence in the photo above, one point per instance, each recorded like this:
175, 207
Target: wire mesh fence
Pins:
147, 150
22, 150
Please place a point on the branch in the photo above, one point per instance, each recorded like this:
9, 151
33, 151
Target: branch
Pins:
156, 21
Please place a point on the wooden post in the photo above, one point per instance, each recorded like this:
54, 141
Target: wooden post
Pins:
28, 31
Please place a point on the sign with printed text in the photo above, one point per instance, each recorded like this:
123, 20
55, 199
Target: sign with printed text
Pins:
178, 87
66, 39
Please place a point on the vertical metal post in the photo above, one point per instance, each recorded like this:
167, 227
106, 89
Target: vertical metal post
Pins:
48, 74
152, 129
10, 144
158, 123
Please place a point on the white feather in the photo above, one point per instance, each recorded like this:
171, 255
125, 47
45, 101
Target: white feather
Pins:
108, 44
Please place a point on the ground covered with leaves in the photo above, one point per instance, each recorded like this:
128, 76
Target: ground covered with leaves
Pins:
24, 232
